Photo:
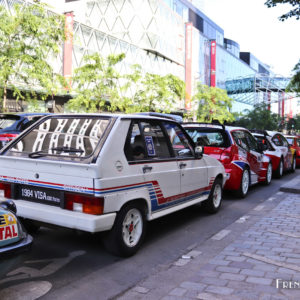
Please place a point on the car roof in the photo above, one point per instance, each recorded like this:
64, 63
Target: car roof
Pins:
209, 125
111, 115
24, 114
257, 134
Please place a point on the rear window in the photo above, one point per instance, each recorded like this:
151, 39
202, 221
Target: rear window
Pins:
64, 137
290, 140
210, 137
7, 121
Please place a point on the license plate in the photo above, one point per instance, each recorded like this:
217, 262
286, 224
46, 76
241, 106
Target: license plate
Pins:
38, 194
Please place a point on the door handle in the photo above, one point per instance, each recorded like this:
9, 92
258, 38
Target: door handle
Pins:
182, 165
147, 168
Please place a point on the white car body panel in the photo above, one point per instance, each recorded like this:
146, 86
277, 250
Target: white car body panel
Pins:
165, 186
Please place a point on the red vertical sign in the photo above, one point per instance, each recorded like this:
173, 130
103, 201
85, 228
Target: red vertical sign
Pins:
213, 48
188, 64
282, 111
68, 46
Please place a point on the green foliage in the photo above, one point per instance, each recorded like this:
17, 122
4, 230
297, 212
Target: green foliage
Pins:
96, 84
295, 12
259, 118
294, 85
28, 37
100, 87
154, 92
214, 104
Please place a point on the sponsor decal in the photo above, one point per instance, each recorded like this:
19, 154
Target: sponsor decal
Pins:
150, 145
8, 227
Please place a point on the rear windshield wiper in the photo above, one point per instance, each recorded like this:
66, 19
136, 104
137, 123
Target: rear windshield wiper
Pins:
41, 153
67, 149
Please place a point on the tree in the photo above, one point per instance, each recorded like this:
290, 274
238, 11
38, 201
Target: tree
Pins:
259, 118
28, 37
96, 84
295, 12
214, 104
153, 92
294, 85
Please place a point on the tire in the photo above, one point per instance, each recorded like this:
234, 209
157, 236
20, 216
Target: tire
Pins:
294, 165
268, 175
213, 203
245, 183
125, 238
279, 170
30, 226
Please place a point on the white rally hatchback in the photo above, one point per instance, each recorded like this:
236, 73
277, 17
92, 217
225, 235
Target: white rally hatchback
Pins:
102, 172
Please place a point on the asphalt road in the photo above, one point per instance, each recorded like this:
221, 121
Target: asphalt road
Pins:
63, 264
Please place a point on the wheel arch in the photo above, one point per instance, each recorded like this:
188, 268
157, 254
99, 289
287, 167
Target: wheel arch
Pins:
139, 202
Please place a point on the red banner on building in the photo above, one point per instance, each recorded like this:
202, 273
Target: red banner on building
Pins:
213, 49
68, 46
188, 64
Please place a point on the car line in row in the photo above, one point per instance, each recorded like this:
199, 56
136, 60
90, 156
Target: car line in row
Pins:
114, 172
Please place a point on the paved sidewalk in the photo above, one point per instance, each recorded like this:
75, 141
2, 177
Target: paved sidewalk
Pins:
257, 257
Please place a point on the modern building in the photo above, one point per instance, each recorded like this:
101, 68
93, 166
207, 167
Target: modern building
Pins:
163, 36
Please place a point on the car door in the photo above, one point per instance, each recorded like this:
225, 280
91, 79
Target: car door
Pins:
282, 145
194, 180
148, 147
254, 156
248, 151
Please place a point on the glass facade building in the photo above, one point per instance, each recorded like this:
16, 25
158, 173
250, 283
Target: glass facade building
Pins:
155, 34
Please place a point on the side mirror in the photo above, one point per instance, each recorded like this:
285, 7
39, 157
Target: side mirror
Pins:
199, 150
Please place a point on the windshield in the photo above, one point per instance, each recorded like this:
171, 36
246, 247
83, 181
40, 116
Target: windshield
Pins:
62, 136
209, 137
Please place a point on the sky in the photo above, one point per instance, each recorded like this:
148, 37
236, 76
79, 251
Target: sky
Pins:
257, 29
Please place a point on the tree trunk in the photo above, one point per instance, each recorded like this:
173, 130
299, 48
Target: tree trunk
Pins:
4, 104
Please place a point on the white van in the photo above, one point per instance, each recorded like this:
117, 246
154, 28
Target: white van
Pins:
102, 172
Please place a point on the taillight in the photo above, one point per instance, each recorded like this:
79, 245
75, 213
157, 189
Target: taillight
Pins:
5, 189
7, 137
226, 156
86, 204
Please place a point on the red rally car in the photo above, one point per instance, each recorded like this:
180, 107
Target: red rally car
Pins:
278, 149
239, 152
294, 142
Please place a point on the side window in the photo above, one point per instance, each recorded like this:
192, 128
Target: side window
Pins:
284, 141
251, 141
135, 147
145, 141
179, 141
240, 139
277, 140
155, 140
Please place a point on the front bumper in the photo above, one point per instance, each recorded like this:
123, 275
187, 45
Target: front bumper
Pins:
65, 218
22, 245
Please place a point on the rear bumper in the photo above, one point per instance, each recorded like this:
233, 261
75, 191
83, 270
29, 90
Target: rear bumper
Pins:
65, 218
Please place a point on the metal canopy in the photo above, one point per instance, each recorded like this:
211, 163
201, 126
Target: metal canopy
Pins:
259, 88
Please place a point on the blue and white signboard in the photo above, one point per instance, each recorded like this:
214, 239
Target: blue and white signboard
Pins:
150, 145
